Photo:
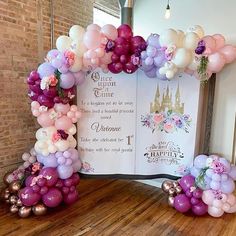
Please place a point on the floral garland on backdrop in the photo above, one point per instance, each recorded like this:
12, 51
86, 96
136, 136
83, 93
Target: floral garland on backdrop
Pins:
49, 174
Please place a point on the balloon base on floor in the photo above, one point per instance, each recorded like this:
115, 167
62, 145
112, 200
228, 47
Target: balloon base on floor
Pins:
49, 175
208, 188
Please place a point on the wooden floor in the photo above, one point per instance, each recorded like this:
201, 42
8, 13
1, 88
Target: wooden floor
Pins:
116, 207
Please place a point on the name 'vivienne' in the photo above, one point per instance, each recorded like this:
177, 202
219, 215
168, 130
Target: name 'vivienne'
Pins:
99, 127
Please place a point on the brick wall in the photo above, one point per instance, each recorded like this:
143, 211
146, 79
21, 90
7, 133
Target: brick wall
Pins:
24, 40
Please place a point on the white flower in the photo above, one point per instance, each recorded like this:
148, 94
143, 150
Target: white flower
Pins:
209, 162
45, 82
54, 115
43, 108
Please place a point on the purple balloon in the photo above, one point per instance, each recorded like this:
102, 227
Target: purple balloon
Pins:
149, 61
200, 161
46, 69
186, 182
43, 190
64, 171
52, 198
122, 46
200, 209
57, 63
28, 197
67, 80
194, 171
144, 55
151, 73
29, 180
34, 75
63, 69
52, 54
153, 40
194, 201
160, 76
50, 161
159, 59
232, 172
51, 92
227, 186
71, 197
197, 193
182, 203
151, 51
145, 67
50, 174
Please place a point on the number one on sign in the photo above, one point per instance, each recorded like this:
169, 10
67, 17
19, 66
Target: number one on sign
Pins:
129, 139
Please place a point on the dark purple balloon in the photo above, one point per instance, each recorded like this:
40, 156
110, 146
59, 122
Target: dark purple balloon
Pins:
30, 81
194, 201
71, 197
151, 73
200, 209
52, 198
65, 190
59, 183
68, 182
124, 59
51, 92
118, 67
43, 190
34, 75
137, 42
182, 203
115, 58
72, 188
36, 89
28, 197
36, 188
122, 47
45, 101
76, 179
111, 67
186, 182
197, 193
57, 99
125, 31
188, 193
29, 180
129, 68
50, 174
41, 182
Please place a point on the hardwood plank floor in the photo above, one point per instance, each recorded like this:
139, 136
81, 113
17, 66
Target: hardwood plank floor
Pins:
116, 207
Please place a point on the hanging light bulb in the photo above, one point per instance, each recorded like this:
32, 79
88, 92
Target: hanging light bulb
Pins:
167, 13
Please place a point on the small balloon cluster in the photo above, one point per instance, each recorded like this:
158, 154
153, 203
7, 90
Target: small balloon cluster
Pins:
208, 188
126, 51
174, 51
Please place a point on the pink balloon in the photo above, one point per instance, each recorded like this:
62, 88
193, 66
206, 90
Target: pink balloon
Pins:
216, 62
210, 44
63, 123
95, 61
93, 27
63, 108
91, 54
215, 212
106, 59
110, 31
92, 39
44, 120
229, 53
220, 41
100, 52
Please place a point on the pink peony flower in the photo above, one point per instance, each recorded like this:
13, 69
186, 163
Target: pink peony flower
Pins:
55, 137
169, 127
53, 80
158, 118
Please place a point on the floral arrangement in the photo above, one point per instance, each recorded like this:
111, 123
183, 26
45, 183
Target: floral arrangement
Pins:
167, 121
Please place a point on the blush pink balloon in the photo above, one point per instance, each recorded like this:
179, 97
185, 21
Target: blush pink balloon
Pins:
63, 108
216, 62
93, 27
92, 39
63, 123
91, 54
210, 43
110, 31
106, 59
229, 53
44, 120
220, 41
100, 52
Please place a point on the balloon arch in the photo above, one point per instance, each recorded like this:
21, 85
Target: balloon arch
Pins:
49, 175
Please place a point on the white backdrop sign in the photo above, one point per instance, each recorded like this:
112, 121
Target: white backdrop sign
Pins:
136, 126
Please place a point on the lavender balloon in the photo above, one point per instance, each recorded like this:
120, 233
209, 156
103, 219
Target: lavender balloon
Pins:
151, 73
67, 80
46, 69
153, 40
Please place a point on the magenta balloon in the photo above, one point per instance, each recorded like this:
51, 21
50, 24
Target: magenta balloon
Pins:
137, 42
200, 209
46, 69
76, 179
67, 80
59, 183
65, 190
28, 197
129, 68
111, 67
30, 81
45, 101
182, 203
28, 180
118, 67
52, 198
43, 190
51, 92
68, 182
34, 75
194, 201
115, 58
124, 59
50, 174
186, 182
197, 193
125, 31
41, 182
71, 197
122, 47
36, 188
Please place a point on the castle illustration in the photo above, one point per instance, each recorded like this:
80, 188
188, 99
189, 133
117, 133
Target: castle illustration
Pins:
166, 104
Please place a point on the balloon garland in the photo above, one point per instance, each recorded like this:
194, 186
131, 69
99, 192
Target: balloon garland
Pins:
208, 187
49, 173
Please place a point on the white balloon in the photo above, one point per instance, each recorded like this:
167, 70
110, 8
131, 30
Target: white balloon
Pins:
181, 37
72, 130
62, 145
162, 70
196, 29
77, 32
78, 48
194, 64
167, 37
182, 58
191, 40
77, 66
170, 74
63, 43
